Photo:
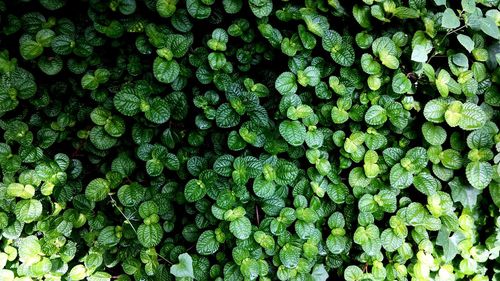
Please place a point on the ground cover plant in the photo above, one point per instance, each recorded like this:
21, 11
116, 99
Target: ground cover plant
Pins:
249, 140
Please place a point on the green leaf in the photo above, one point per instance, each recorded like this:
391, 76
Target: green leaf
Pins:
197, 9
465, 194
232, 6
466, 41
28, 210
158, 112
30, 49
472, 117
399, 177
353, 273
241, 228
488, 26
293, 132
184, 268
261, 8
154, 167
97, 189
450, 19
319, 273
149, 235
165, 71
376, 115
315, 23
495, 193
435, 135
51, 65
89, 82
195, 190
131, 195
126, 102
451, 159
264, 239
406, 13
341, 52
449, 244
115, 126
166, 8
416, 214
289, 255
286, 83
401, 84
309, 76
207, 243
102, 75
479, 174
426, 183
390, 241
226, 116
263, 188
434, 110
100, 276
101, 139
419, 53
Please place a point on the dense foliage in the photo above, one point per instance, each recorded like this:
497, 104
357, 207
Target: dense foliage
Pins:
249, 140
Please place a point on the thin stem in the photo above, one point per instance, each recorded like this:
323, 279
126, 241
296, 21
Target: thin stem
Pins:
113, 201
454, 31
257, 214
163, 258
444, 37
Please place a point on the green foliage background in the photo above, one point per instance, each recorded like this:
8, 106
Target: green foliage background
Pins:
249, 140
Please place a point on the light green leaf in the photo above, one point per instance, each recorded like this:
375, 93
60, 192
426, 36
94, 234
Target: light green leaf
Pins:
78, 272
100, 276
353, 273
435, 135
472, 117
434, 110
488, 26
390, 241
426, 183
466, 41
184, 268
450, 19
419, 53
